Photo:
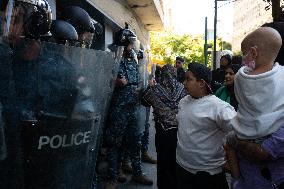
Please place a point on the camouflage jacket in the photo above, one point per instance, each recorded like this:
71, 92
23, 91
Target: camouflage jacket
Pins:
128, 94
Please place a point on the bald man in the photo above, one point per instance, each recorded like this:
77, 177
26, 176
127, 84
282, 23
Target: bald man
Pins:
259, 87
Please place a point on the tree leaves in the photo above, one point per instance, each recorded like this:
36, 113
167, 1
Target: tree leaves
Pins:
166, 46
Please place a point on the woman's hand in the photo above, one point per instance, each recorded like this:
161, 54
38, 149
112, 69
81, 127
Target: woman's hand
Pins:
121, 81
248, 149
152, 82
252, 151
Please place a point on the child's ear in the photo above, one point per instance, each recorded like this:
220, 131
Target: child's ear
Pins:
202, 84
254, 52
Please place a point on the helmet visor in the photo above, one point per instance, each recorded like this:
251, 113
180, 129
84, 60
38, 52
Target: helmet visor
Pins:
134, 42
24, 19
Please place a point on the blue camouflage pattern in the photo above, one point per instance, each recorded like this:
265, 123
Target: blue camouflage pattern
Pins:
123, 133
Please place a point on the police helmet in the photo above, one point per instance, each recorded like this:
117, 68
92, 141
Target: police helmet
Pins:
63, 32
98, 28
34, 15
79, 18
124, 37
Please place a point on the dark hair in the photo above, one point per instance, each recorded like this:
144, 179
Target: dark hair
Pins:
279, 26
179, 59
237, 59
201, 72
234, 67
228, 57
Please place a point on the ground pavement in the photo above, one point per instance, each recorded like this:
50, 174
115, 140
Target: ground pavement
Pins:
149, 169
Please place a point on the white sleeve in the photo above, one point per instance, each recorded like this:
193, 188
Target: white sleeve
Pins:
237, 85
225, 117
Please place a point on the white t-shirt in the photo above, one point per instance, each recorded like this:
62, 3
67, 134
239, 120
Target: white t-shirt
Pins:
261, 103
203, 124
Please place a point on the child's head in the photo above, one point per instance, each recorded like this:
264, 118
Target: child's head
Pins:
260, 48
197, 80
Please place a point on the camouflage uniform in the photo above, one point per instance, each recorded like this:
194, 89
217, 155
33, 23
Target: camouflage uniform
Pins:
124, 132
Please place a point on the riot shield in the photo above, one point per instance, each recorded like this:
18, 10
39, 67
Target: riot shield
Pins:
143, 78
3, 152
54, 101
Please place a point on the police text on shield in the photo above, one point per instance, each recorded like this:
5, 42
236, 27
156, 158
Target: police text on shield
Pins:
58, 141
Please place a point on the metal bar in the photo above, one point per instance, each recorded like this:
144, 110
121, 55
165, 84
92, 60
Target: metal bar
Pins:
215, 36
205, 44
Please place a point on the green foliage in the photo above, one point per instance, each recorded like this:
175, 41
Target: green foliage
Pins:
239, 53
226, 45
166, 46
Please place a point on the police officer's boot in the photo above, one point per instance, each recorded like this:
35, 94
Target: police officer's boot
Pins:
126, 167
111, 185
146, 158
142, 179
121, 177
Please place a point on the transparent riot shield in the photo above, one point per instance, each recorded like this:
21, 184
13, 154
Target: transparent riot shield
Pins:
143, 78
3, 152
54, 101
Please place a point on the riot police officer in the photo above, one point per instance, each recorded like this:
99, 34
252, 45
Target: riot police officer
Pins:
63, 33
123, 132
145, 157
82, 22
23, 20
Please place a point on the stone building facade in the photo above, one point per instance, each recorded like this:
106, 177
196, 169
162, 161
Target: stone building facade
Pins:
248, 15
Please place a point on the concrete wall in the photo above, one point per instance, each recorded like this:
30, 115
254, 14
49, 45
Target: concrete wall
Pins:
119, 12
248, 15
108, 36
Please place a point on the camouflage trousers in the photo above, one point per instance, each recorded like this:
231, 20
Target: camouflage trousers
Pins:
123, 135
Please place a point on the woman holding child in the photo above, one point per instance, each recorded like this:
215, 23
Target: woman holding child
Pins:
259, 125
